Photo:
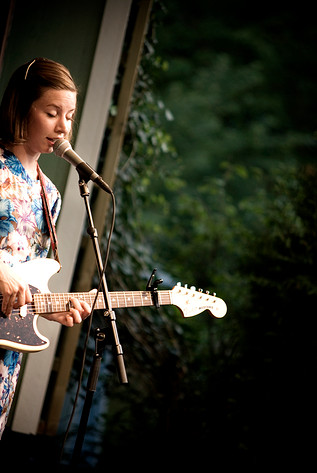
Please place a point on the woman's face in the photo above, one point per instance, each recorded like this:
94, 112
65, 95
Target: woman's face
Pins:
50, 118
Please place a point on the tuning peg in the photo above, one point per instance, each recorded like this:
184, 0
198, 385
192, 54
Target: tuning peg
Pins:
207, 292
192, 288
200, 290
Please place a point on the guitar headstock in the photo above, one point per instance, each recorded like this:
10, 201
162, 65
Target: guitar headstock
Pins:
192, 302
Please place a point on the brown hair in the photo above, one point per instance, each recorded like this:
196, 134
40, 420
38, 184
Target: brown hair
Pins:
26, 85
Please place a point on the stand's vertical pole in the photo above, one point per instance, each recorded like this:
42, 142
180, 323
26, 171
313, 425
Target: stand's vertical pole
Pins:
91, 389
99, 334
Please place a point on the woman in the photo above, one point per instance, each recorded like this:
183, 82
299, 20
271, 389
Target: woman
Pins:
37, 108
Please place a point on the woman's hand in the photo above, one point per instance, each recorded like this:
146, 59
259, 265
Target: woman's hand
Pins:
79, 311
15, 291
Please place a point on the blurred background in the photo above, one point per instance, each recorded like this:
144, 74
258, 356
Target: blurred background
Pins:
214, 176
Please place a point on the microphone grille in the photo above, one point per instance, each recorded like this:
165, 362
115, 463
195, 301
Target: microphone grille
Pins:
60, 147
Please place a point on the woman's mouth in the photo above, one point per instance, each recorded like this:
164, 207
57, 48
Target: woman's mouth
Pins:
51, 141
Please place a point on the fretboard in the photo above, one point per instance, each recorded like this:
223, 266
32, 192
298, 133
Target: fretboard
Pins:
46, 303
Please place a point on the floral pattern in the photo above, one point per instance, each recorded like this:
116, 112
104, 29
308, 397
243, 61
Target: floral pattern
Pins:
23, 236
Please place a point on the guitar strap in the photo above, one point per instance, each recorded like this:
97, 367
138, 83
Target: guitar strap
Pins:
48, 215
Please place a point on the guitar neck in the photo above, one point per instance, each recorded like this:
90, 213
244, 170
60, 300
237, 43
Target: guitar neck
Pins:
47, 303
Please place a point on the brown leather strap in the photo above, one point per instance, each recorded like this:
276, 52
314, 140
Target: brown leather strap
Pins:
48, 215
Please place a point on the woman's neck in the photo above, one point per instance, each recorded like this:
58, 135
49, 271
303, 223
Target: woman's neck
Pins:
28, 161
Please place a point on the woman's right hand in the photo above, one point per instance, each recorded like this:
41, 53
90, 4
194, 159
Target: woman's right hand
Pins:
15, 291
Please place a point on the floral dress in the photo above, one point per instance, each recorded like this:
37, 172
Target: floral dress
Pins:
23, 236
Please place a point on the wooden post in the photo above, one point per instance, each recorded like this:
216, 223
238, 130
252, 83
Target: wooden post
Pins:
90, 136
111, 162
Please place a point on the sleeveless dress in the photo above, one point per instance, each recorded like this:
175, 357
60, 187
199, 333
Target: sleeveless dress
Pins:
24, 236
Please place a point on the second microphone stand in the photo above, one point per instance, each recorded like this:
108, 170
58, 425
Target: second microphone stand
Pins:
100, 337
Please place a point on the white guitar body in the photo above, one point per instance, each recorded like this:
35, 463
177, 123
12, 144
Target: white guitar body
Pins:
38, 272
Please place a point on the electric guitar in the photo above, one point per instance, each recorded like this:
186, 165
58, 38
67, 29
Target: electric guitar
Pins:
19, 332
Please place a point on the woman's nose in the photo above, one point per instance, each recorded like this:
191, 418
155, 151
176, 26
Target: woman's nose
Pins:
63, 125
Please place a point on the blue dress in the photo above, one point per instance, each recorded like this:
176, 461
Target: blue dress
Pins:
23, 236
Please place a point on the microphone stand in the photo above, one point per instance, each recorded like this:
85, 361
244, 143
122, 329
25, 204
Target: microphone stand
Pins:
100, 337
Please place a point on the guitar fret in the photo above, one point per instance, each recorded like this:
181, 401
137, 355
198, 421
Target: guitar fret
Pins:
50, 302
130, 299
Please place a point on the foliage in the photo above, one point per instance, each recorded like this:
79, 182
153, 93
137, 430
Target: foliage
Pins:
217, 188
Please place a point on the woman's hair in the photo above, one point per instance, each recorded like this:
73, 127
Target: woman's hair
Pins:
26, 85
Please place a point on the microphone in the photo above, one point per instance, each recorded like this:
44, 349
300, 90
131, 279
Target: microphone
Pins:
63, 149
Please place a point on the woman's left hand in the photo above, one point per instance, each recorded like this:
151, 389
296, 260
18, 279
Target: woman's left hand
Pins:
78, 312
